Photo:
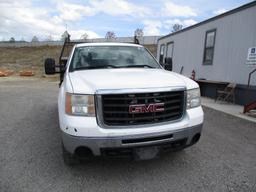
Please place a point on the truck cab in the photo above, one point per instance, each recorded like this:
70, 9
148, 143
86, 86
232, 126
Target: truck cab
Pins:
115, 99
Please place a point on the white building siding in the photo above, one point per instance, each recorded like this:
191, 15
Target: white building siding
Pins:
235, 33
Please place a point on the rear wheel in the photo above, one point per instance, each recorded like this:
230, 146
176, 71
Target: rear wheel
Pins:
68, 158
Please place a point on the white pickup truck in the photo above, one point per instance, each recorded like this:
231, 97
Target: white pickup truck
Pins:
117, 100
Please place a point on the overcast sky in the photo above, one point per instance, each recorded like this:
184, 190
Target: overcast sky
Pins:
22, 19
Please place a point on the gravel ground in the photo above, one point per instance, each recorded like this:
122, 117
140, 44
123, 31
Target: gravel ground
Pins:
31, 160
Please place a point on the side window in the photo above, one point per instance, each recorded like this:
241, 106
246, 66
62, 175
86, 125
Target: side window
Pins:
161, 58
169, 49
209, 47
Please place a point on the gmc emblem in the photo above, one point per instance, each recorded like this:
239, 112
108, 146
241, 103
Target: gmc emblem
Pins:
146, 108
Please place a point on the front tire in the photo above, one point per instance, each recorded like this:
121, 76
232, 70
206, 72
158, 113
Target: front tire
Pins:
68, 158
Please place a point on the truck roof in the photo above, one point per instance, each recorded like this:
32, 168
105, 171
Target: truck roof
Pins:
107, 44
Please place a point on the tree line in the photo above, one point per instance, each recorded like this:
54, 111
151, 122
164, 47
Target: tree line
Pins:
110, 35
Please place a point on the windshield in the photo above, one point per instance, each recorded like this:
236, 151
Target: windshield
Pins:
98, 57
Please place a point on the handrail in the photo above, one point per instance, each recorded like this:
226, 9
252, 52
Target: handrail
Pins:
249, 78
67, 39
181, 70
136, 40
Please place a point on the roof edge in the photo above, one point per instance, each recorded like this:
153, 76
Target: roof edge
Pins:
235, 10
108, 44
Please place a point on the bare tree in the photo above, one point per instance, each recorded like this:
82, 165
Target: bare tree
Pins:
176, 27
49, 38
84, 36
12, 40
64, 35
34, 39
22, 39
110, 35
138, 32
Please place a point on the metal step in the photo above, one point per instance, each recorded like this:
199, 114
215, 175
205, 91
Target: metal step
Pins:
64, 58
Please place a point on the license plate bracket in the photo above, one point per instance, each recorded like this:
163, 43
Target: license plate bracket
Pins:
146, 153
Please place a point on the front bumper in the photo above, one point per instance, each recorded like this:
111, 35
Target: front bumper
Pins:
98, 145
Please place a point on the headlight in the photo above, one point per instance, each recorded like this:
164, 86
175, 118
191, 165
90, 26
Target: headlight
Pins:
80, 105
193, 98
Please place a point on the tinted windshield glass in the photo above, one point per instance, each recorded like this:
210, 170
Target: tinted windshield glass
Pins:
98, 57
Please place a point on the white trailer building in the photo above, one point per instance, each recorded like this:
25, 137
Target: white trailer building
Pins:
216, 50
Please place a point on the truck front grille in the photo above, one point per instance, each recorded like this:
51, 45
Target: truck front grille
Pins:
116, 108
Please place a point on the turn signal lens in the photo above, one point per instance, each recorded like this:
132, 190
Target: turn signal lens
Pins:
193, 98
82, 105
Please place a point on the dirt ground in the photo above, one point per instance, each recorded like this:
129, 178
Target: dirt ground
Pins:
32, 58
31, 160
27, 58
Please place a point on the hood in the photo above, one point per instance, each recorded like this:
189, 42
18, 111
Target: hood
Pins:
89, 81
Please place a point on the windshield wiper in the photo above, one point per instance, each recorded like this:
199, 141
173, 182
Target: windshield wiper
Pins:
112, 66
96, 67
138, 66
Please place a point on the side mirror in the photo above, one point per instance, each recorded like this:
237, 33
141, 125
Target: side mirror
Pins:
168, 64
49, 66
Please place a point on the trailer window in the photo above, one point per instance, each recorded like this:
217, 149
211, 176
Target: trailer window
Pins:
209, 47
